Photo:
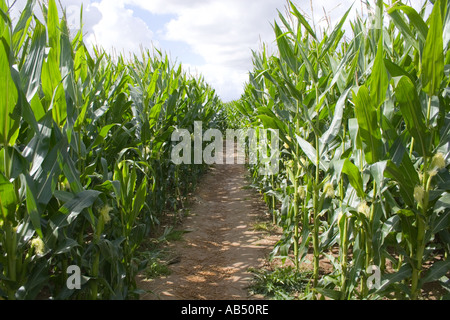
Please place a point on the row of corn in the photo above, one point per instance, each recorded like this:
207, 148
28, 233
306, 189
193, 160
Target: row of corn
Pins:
85, 170
365, 119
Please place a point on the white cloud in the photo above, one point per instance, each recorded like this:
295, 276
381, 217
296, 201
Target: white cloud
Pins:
119, 29
222, 33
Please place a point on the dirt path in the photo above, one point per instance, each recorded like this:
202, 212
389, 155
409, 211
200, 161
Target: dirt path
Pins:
216, 255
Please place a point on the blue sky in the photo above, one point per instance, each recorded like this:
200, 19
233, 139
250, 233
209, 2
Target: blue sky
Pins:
211, 37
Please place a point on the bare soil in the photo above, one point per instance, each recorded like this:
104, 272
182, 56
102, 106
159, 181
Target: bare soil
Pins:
215, 256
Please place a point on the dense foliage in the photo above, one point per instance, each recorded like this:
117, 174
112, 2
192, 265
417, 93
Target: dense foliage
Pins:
85, 170
365, 124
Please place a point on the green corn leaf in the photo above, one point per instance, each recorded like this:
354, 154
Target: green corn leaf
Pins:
368, 126
311, 152
415, 19
72, 209
433, 54
271, 122
401, 24
353, 131
388, 279
66, 246
379, 81
390, 225
336, 32
438, 270
5, 24
408, 100
67, 63
32, 206
356, 268
405, 178
102, 135
30, 74
8, 199
53, 89
396, 71
336, 123
82, 200
330, 293
47, 175
53, 29
285, 48
139, 200
9, 123
354, 177
21, 28
153, 84
302, 20
443, 221
377, 172
80, 64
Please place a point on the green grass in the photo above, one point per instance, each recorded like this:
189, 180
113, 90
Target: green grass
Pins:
283, 283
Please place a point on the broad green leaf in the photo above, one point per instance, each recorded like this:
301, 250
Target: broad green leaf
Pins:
9, 122
354, 176
67, 63
396, 71
433, 54
368, 126
47, 176
30, 74
401, 24
336, 32
404, 179
410, 107
5, 24
71, 209
310, 152
415, 19
80, 64
102, 135
8, 199
356, 268
53, 29
285, 48
390, 225
353, 129
388, 279
37, 278
152, 87
65, 247
302, 20
330, 293
379, 80
377, 172
272, 123
139, 199
336, 123
443, 220
32, 206
438, 270
21, 28
53, 88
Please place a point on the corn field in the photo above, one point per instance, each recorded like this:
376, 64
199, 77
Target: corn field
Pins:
86, 173
365, 126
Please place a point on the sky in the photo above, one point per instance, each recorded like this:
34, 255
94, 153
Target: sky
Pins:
214, 38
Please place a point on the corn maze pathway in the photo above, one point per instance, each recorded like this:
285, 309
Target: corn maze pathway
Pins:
223, 245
